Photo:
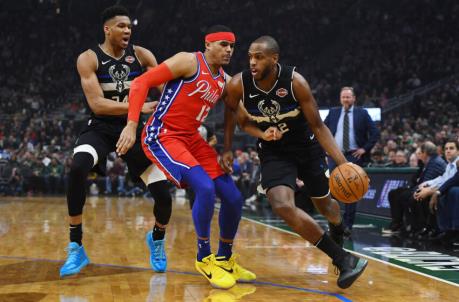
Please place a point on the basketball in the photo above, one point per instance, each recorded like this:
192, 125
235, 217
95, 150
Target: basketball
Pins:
348, 183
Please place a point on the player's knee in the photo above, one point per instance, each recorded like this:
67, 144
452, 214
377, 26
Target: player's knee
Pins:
283, 209
160, 192
81, 165
206, 188
234, 199
324, 205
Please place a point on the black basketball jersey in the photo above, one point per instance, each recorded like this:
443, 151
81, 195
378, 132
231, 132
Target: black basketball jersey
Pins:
115, 77
277, 107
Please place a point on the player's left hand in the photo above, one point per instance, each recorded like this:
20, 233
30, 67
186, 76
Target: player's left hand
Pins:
272, 134
359, 152
226, 161
127, 138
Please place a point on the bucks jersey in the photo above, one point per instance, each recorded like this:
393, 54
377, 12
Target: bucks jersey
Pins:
115, 77
277, 107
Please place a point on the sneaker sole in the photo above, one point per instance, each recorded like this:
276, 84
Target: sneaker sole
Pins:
75, 271
361, 266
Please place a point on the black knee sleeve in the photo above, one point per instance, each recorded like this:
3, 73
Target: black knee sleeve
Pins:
76, 193
163, 201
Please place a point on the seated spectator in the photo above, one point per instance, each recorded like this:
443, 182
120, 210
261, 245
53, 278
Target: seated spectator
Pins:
434, 166
428, 188
446, 202
399, 160
399, 197
402, 202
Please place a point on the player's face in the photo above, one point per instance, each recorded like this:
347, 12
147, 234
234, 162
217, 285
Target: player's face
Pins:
261, 61
450, 151
118, 31
347, 98
221, 51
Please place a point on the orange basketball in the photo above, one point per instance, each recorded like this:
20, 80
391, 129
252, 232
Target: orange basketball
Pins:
348, 183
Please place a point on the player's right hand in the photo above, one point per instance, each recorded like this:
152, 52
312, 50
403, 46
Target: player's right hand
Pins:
127, 139
149, 107
272, 134
226, 161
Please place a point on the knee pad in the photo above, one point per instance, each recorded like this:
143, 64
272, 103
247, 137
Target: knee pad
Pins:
87, 149
81, 165
79, 170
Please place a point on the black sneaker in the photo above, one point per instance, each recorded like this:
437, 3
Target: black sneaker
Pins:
350, 268
336, 233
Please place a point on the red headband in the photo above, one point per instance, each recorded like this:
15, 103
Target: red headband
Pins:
223, 35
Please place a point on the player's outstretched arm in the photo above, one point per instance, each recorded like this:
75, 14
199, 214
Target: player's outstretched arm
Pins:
148, 61
309, 107
181, 65
87, 66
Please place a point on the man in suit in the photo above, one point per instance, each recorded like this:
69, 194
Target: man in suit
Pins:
356, 134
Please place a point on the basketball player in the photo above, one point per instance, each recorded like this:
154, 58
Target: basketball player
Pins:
194, 83
278, 108
106, 73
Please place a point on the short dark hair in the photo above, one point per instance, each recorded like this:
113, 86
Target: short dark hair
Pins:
113, 11
218, 28
270, 42
453, 140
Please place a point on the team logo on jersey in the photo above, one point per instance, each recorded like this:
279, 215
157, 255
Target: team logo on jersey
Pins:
130, 59
119, 73
269, 109
281, 92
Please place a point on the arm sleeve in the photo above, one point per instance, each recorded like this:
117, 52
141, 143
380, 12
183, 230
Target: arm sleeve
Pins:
140, 86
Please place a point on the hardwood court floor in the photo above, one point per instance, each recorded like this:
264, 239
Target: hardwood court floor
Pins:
33, 235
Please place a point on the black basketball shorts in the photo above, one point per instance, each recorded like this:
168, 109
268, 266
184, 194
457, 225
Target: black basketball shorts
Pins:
99, 139
282, 166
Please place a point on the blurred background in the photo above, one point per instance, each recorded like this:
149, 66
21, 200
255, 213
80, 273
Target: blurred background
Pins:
400, 56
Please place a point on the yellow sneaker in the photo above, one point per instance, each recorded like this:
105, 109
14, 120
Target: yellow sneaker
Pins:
239, 273
217, 276
233, 294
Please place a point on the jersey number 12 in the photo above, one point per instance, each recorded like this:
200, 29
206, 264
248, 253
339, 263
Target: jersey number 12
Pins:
203, 113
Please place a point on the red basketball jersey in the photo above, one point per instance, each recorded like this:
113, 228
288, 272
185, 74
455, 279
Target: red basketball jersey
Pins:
185, 103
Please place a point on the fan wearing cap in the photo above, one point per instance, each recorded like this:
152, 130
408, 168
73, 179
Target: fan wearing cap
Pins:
193, 84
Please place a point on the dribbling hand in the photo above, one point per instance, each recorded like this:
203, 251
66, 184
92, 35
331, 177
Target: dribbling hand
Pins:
127, 139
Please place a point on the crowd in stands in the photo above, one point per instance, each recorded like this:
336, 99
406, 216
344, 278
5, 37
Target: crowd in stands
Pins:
382, 48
